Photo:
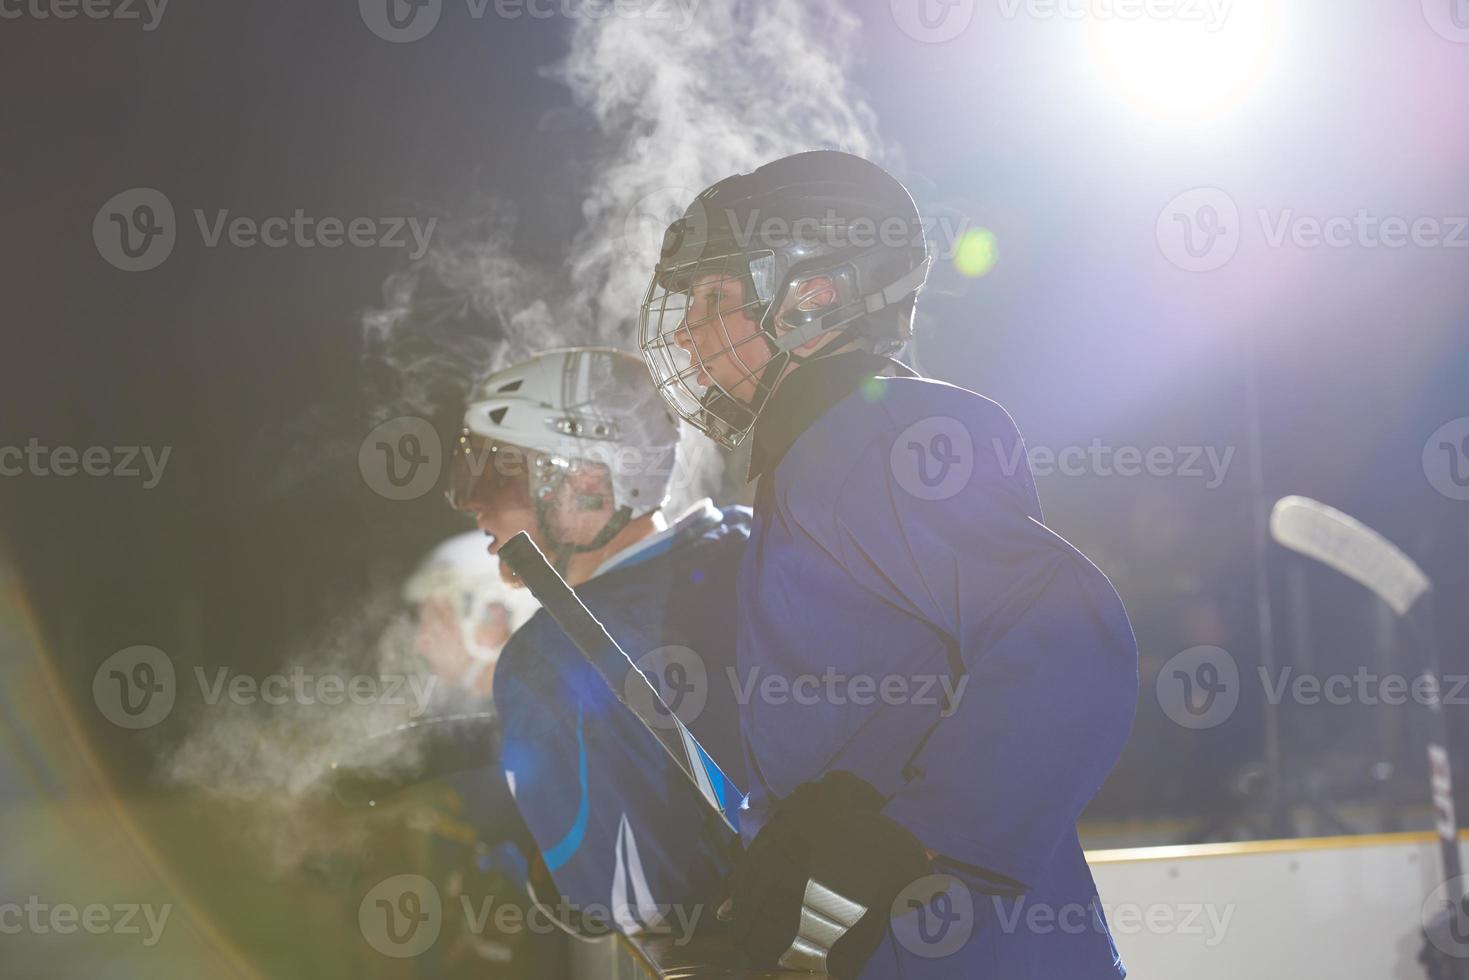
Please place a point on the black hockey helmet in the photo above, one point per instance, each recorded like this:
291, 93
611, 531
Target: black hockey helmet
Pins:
822, 213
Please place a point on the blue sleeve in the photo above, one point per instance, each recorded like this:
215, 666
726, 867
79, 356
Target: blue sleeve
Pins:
1049, 656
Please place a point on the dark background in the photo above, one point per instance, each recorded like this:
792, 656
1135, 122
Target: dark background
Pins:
248, 363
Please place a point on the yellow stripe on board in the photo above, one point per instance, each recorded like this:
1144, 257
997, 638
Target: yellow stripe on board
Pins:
1179, 852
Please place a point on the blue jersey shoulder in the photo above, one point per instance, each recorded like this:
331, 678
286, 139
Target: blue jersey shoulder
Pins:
872, 428
638, 593
901, 402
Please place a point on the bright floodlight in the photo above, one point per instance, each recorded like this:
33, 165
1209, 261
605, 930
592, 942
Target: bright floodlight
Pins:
1187, 63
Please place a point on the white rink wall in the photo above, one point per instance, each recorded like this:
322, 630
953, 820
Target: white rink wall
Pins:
1344, 907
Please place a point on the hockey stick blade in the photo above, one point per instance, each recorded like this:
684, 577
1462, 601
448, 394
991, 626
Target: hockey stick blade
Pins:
1351, 547
633, 689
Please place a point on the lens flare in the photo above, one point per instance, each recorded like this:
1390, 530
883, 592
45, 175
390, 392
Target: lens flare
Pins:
975, 253
1187, 63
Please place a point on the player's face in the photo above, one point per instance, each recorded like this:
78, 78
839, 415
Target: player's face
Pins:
493, 484
503, 515
489, 482
722, 338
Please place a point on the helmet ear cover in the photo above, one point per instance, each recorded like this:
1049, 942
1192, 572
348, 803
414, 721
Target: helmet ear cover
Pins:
869, 318
783, 315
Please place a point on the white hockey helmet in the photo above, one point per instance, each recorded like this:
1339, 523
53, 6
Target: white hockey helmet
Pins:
542, 417
462, 573
461, 569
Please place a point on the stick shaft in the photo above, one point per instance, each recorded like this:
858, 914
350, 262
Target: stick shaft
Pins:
1440, 766
590, 637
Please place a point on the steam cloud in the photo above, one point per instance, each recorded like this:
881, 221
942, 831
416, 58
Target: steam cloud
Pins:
275, 760
677, 103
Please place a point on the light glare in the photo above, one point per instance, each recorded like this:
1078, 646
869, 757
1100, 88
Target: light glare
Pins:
1187, 71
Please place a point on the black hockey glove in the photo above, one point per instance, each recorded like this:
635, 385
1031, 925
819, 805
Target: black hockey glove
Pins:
815, 889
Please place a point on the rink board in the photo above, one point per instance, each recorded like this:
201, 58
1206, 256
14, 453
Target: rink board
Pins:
1329, 907
1339, 907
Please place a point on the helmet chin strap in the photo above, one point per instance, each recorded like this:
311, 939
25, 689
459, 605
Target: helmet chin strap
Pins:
564, 551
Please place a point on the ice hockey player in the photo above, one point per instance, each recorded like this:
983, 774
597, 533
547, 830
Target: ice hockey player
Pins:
464, 613
939, 682
575, 448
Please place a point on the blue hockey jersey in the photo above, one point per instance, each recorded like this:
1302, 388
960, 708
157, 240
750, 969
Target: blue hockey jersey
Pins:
623, 832
906, 615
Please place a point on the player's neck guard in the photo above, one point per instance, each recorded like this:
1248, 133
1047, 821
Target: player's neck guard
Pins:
807, 394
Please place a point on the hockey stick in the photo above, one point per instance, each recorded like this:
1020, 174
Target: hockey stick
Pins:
1342, 542
590, 637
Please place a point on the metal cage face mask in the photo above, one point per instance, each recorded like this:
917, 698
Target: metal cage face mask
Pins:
702, 324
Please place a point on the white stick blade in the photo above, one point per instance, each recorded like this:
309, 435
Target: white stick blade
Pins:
1346, 544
